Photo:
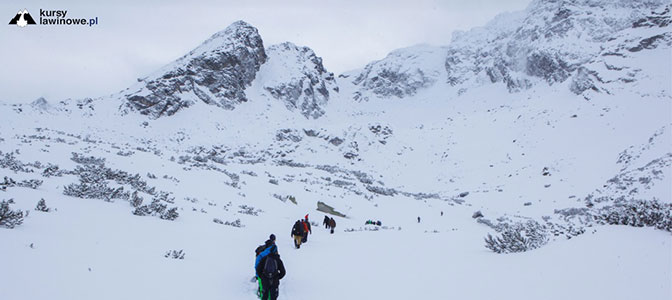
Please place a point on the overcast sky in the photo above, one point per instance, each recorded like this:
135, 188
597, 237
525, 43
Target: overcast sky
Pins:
133, 39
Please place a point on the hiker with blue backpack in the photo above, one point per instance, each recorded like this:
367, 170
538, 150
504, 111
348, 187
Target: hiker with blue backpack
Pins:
261, 252
270, 270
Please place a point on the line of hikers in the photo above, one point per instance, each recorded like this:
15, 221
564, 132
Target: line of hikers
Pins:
268, 266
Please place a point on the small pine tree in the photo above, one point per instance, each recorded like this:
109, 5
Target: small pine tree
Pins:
42, 206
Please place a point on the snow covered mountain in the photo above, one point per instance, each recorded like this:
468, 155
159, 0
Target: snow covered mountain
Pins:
593, 45
538, 130
219, 71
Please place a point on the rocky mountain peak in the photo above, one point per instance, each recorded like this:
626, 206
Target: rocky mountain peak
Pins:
216, 73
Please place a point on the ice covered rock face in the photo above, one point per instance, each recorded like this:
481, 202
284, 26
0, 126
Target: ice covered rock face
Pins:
217, 73
296, 76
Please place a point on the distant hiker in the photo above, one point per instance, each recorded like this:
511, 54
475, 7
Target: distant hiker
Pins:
261, 252
442, 213
297, 233
326, 222
270, 269
372, 222
306, 229
418, 219
332, 224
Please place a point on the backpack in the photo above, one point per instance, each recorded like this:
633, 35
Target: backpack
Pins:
259, 249
270, 267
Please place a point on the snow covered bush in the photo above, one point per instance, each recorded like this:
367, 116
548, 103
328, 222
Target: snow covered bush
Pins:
32, 183
381, 190
248, 210
42, 206
235, 223
171, 214
87, 160
8, 161
175, 254
9, 218
638, 213
519, 237
135, 200
156, 208
7, 182
83, 190
52, 170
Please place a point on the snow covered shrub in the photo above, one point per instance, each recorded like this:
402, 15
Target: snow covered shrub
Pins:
88, 190
142, 211
87, 160
7, 182
248, 210
156, 208
381, 190
235, 223
42, 206
218, 221
9, 218
175, 254
32, 183
8, 161
519, 237
52, 170
164, 196
135, 200
171, 214
638, 213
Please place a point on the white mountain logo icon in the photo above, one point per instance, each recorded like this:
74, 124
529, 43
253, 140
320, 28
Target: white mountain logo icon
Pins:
22, 19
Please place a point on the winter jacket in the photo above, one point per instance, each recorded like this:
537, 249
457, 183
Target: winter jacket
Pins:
306, 226
297, 229
332, 223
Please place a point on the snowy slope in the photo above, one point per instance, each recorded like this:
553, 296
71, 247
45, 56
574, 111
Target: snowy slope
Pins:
429, 130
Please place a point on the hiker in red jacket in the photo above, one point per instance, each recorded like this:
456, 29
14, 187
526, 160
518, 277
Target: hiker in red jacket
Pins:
306, 229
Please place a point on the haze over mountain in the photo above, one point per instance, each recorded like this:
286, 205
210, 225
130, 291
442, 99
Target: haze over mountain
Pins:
544, 128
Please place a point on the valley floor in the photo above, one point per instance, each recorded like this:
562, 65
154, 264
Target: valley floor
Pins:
54, 256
